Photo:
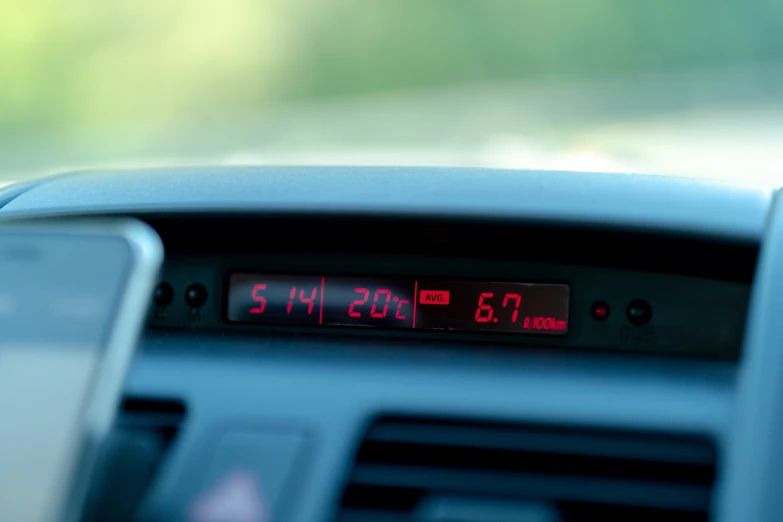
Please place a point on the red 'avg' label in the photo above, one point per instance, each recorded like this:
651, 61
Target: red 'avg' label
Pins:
434, 297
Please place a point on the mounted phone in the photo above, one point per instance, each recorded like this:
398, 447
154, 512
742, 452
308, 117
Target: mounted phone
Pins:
73, 298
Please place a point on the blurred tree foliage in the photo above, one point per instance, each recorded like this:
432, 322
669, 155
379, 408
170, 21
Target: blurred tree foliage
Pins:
82, 65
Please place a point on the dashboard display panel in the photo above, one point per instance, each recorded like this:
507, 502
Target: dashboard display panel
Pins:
399, 303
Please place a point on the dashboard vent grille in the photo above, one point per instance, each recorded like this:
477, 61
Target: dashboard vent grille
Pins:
405, 466
144, 430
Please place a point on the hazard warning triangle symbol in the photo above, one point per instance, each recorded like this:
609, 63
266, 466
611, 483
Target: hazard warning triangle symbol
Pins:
237, 497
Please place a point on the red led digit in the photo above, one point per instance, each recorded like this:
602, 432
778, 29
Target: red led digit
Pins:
361, 301
379, 292
290, 304
517, 300
321, 305
258, 299
310, 301
484, 308
526, 323
399, 307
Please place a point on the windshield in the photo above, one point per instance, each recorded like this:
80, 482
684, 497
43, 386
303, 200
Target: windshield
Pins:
673, 87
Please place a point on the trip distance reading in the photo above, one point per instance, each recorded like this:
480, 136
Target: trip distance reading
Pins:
529, 308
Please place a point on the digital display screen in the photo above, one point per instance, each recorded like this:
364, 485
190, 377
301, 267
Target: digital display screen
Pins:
399, 303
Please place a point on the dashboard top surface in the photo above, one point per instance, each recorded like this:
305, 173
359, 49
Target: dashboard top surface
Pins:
640, 202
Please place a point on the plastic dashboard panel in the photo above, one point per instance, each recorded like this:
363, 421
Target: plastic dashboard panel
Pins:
664, 204
754, 462
692, 316
315, 395
328, 392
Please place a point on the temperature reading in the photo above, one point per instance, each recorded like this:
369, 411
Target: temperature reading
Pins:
374, 310
382, 299
365, 295
400, 302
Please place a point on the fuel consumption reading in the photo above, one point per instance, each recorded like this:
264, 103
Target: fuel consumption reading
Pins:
399, 303
499, 307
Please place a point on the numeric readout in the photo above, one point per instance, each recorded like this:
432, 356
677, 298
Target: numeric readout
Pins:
533, 308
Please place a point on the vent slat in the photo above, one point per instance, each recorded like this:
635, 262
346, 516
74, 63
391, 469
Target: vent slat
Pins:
148, 413
584, 475
371, 515
608, 445
536, 486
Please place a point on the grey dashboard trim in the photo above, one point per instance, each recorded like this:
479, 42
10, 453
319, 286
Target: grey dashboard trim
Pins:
754, 461
653, 203
8, 193
332, 388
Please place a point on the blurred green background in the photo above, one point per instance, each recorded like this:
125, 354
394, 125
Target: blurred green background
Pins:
690, 87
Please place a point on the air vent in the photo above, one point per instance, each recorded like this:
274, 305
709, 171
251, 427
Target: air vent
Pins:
437, 470
132, 455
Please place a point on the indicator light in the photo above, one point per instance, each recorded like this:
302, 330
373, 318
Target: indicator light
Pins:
434, 297
599, 310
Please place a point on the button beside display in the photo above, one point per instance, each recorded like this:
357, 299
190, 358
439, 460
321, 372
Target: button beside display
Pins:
639, 312
196, 295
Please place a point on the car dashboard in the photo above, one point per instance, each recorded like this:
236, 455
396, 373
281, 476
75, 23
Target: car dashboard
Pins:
340, 344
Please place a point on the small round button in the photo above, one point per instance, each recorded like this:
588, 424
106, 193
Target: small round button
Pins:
163, 295
599, 310
196, 295
639, 312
